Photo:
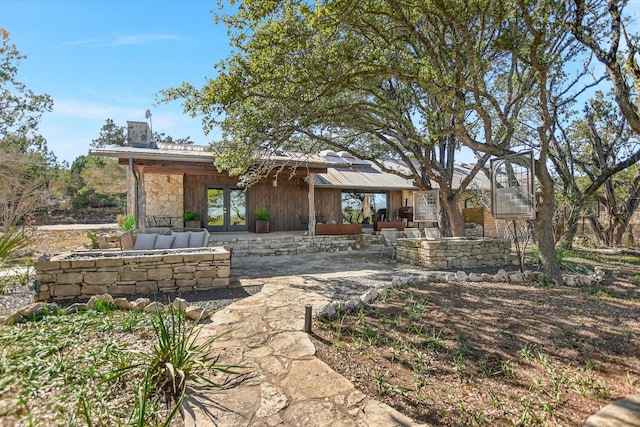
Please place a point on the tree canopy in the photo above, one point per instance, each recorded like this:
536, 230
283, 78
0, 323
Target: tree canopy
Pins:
412, 81
20, 108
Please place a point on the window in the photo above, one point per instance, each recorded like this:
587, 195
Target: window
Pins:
513, 186
363, 208
426, 206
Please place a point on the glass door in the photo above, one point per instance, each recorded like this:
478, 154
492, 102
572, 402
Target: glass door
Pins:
226, 209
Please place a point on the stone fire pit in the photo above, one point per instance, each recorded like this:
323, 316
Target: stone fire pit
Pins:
122, 273
455, 252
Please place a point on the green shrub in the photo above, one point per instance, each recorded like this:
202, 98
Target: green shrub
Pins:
190, 215
126, 223
175, 360
94, 240
263, 214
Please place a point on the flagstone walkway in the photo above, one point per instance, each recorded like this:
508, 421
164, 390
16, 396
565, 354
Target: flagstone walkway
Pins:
286, 384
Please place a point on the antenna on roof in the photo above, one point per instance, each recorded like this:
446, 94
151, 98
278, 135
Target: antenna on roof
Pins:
147, 115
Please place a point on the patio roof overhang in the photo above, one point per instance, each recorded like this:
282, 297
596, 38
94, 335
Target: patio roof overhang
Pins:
362, 178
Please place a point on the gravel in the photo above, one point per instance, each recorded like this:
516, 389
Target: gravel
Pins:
16, 297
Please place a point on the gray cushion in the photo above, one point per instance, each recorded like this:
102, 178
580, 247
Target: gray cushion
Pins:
163, 242
181, 239
196, 240
145, 241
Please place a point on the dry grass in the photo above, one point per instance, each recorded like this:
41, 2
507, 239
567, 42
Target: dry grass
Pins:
491, 354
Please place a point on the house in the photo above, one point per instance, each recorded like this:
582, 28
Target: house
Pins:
165, 180
333, 188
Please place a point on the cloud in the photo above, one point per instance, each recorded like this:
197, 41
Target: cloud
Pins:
124, 40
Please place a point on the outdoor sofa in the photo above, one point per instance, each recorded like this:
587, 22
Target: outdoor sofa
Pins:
149, 239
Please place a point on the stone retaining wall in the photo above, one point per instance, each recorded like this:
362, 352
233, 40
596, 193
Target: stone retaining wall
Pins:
455, 252
290, 245
126, 273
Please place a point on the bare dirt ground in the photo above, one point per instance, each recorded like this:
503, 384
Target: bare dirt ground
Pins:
451, 354
58, 241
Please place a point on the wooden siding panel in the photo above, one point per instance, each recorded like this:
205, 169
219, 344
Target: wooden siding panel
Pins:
473, 216
195, 190
288, 203
329, 204
489, 224
394, 202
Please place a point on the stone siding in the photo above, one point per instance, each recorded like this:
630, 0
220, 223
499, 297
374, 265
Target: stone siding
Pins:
164, 195
455, 252
128, 273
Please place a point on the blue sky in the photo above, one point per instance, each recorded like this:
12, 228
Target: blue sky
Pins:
108, 59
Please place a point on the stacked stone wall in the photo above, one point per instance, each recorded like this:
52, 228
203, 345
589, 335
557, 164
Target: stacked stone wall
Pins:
164, 194
455, 252
128, 273
292, 245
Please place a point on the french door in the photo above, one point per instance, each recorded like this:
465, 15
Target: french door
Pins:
226, 208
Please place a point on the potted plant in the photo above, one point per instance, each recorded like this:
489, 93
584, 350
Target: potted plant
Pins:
191, 219
262, 220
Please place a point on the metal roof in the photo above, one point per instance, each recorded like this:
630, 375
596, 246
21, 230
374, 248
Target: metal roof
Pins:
343, 170
181, 152
201, 153
460, 172
364, 176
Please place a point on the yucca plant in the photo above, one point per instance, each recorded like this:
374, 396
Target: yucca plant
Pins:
175, 360
126, 223
12, 241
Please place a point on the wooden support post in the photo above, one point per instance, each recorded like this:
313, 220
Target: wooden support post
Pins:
307, 318
312, 205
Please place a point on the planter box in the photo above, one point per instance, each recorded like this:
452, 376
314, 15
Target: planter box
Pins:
337, 229
398, 225
262, 226
192, 224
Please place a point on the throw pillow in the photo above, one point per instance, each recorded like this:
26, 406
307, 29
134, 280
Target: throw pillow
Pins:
196, 240
181, 239
144, 241
163, 242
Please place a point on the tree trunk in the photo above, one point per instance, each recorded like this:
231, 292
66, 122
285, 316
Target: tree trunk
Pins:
457, 222
597, 230
445, 223
544, 226
629, 205
571, 229
456, 219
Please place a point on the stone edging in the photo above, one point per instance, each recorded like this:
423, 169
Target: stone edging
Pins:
438, 276
37, 309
